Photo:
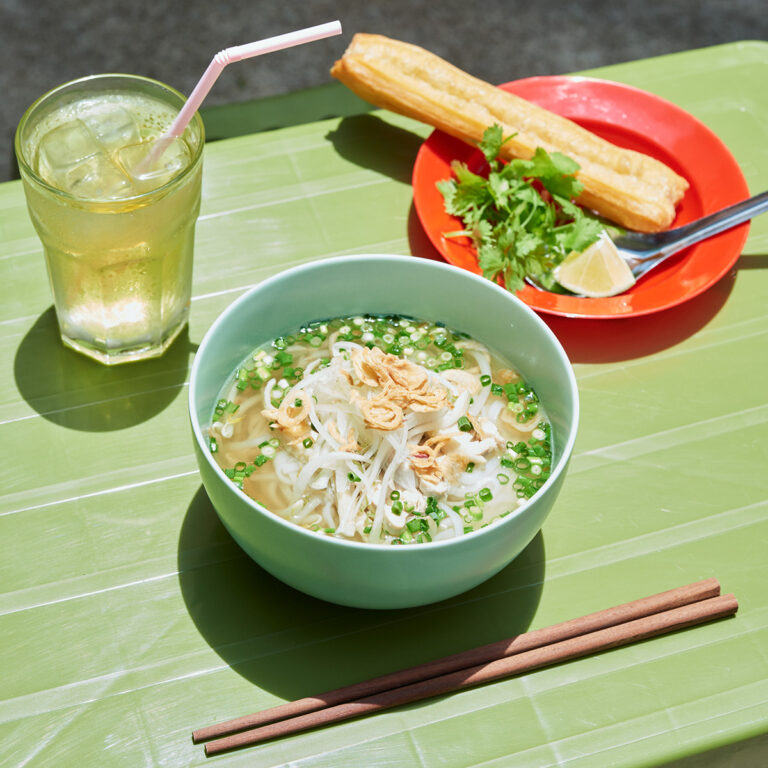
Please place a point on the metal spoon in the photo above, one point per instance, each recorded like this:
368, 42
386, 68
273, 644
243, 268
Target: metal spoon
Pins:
644, 251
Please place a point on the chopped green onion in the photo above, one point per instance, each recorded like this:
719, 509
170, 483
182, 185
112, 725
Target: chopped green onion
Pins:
464, 424
352, 477
502, 478
468, 529
395, 495
397, 507
469, 467
307, 442
497, 389
485, 380
367, 529
485, 494
261, 460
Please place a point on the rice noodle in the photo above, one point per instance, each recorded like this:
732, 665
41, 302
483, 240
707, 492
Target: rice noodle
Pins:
325, 460
365, 438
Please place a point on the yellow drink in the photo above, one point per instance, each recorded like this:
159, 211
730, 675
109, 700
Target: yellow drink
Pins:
118, 236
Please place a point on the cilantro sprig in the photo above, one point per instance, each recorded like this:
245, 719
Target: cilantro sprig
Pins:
521, 218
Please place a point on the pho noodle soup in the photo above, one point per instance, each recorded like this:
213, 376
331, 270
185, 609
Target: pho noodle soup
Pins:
385, 430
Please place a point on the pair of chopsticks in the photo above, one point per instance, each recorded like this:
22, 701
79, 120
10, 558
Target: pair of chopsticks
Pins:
623, 624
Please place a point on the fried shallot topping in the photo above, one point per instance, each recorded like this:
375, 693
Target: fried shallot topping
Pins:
289, 418
402, 385
351, 443
424, 462
379, 412
436, 460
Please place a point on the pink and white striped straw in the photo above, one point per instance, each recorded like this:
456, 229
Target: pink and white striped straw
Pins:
227, 56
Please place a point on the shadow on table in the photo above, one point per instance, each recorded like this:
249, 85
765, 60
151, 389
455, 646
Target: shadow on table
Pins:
752, 261
740, 754
360, 139
294, 645
74, 391
601, 341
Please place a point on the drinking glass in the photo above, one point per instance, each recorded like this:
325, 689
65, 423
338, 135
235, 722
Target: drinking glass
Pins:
118, 237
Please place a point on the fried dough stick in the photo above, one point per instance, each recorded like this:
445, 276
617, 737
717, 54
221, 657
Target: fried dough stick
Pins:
627, 187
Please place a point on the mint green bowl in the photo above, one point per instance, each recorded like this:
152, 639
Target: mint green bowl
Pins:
353, 573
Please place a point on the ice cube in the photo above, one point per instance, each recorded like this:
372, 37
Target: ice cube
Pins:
63, 148
174, 158
98, 178
112, 126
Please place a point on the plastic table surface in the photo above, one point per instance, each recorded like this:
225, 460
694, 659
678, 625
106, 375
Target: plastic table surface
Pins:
128, 616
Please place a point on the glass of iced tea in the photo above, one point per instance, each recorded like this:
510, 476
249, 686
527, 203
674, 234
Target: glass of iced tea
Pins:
118, 231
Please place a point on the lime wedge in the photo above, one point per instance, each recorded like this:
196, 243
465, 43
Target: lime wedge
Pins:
596, 271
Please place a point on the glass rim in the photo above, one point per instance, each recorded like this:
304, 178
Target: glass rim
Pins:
26, 168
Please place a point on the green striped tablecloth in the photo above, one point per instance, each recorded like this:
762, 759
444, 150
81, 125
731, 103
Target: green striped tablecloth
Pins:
128, 616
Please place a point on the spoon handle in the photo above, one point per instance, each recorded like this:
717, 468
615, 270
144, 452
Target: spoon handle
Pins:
717, 222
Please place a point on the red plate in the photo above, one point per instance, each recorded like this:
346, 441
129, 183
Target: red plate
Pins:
629, 118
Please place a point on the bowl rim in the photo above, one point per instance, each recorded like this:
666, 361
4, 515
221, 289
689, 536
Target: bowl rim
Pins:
198, 432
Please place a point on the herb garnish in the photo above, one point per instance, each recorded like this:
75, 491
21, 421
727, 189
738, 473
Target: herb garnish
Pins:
517, 229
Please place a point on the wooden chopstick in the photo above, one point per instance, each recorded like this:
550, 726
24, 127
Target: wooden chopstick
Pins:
609, 617
575, 647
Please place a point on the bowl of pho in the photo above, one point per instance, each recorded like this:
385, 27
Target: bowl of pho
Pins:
381, 431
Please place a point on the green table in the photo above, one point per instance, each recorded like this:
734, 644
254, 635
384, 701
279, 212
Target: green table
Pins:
128, 616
